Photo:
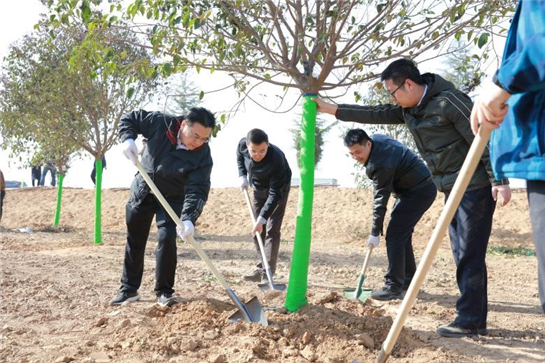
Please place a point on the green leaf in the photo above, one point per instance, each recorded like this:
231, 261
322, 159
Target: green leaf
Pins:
201, 95
130, 92
483, 39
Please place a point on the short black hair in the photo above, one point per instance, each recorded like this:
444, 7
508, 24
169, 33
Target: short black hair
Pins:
201, 116
356, 136
257, 136
400, 70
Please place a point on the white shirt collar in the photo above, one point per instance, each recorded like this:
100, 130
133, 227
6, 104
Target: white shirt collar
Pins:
180, 145
423, 94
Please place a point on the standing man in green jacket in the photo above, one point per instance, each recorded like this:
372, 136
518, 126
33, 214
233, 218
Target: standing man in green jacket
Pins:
437, 115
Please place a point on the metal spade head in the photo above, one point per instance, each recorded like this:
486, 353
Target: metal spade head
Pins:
266, 286
251, 312
363, 294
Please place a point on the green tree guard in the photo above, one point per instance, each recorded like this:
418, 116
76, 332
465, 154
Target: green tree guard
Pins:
59, 199
296, 296
98, 198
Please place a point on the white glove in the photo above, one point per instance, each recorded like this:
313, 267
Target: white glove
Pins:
373, 241
244, 182
188, 230
130, 151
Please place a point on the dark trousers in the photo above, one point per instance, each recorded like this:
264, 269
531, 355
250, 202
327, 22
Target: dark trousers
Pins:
2, 195
469, 234
407, 211
271, 232
94, 173
36, 173
138, 218
536, 201
53, 175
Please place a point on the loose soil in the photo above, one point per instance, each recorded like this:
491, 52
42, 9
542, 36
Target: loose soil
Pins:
55, 285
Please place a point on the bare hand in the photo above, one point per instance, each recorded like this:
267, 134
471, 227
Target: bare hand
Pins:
325, 107
505, 193
489, 109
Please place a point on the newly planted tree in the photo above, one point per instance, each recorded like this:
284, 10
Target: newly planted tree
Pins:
57, 97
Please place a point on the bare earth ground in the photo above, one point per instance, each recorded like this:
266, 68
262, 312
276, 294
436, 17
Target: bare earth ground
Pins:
55, 287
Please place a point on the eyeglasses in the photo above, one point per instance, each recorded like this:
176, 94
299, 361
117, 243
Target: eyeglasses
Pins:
393, 94
194, 136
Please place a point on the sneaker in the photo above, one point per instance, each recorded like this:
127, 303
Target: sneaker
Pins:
255, 276
387, 292
166, 300
125, 296
454, 330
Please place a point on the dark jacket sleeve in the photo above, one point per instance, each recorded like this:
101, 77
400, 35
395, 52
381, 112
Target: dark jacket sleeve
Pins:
381, 114
383, 179
277, 184
197, 189
458, 111
135, 123
240, 157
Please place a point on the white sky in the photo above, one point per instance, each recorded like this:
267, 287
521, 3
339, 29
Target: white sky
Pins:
18, 18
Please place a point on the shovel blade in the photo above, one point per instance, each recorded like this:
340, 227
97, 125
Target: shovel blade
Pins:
353, 294
268, 286
255, 313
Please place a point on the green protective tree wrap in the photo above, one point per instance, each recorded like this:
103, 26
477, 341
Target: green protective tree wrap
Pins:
59, 199
296, 296
98, 198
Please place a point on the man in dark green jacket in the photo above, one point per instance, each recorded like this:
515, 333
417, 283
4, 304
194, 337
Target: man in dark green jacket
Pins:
179, 161
437, 115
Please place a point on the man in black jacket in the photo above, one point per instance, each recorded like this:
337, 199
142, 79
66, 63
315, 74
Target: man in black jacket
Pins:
394, 169
265, 167
437, 115
178, 159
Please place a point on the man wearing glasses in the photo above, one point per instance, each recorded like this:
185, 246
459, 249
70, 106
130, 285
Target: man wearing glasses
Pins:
438, 116
178, 159
264, 166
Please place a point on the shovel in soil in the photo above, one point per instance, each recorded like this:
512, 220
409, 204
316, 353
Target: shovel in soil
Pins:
251, 312
359, 292
270, 285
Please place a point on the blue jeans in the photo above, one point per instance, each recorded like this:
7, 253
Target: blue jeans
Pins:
407, 211
53, 175
469, 234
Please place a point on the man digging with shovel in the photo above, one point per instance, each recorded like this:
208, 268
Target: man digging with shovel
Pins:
264, 166
178, 159
394, 169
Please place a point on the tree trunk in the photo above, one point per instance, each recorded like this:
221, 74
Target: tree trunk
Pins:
98, 198
297, 287
59, 199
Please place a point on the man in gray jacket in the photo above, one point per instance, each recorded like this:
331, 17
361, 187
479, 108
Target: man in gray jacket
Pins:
437, 115
396, 170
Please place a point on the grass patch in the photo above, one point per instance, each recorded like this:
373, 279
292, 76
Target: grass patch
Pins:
511, 251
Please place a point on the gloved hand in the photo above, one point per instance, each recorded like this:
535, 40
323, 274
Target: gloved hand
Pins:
244, 182
188, 230
130, 151
373, 241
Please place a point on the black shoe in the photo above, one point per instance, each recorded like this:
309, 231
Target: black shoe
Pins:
125, 296
387, 292
255, 276
406, 285
482, 331
454, 330
166, 300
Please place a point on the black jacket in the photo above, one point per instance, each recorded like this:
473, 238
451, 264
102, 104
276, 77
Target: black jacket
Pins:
441, 129
273, 173
394, 169
182, 176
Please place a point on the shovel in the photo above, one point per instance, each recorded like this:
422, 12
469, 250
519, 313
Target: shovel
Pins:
251, 312
359, 293
271, 285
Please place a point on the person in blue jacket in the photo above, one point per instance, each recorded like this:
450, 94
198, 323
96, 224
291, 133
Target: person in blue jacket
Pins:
516, 101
